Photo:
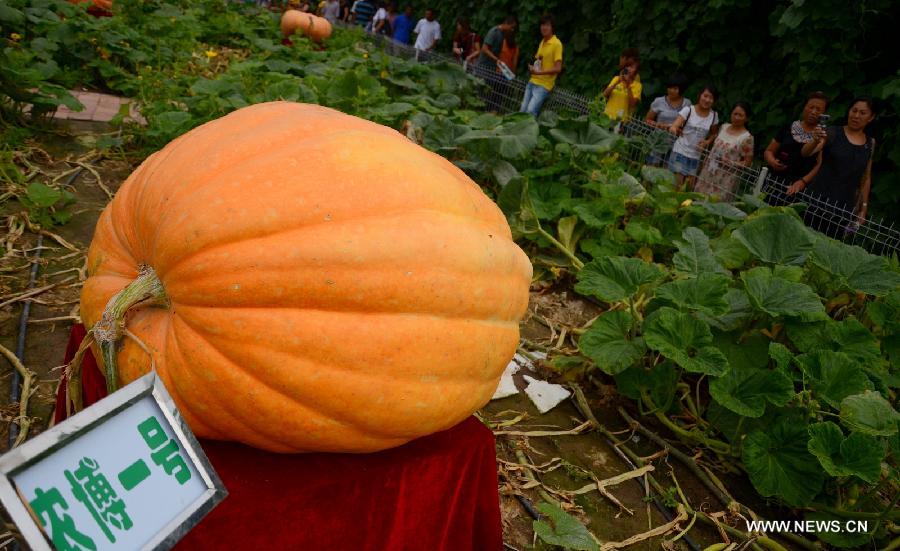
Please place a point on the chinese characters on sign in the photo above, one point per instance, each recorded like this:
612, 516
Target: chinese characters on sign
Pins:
91, 487
125, 473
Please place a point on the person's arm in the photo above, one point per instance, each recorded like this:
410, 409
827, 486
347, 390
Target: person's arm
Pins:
476, 47
651, 117
771, 159
436, 38
803, 182
555, 70
515, 60
486, 50
810, 148
634, 96
863, 202
710, 137
748, 151
612, 84
677, 125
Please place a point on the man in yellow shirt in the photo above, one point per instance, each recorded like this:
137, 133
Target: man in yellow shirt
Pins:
547, 65
624, 90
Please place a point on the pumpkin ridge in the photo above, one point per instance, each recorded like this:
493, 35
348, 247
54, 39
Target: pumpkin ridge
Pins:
296, 142
293, 400
121, 241
193, 325
356, 311
200, 134
332, 410
215, 397
294, 138
231, 240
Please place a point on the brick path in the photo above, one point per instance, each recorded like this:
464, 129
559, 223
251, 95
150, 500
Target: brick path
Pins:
98, 108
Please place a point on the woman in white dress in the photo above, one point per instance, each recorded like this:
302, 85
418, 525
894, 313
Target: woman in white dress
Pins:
731, 152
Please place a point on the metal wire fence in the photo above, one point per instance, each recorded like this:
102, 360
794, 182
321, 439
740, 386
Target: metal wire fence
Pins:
652, 145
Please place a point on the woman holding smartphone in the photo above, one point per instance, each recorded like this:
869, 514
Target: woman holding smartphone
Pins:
784, 155
844, 176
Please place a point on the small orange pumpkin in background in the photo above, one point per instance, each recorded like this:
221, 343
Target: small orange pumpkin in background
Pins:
329, 285
315, 28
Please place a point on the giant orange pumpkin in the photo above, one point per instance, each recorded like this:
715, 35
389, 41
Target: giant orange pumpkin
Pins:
331, 286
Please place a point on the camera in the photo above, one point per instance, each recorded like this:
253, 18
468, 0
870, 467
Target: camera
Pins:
823, 120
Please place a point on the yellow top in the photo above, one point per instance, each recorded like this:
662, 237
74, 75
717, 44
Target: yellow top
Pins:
549, 52
617, 105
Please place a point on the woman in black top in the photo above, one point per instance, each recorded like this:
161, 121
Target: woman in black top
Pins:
784, 156
844, 176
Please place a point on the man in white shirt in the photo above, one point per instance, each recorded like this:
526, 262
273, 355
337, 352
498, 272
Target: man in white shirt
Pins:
428, 32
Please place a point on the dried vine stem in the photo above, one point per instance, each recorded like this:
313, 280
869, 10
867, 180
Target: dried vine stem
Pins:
582, 405
721, 494
27, 378
658, 531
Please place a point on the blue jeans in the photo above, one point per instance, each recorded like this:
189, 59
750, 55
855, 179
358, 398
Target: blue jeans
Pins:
535, 96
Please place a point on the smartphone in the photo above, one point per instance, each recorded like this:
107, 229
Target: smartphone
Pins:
823, 120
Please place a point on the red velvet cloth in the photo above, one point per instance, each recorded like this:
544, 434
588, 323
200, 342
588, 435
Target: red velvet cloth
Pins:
437, 493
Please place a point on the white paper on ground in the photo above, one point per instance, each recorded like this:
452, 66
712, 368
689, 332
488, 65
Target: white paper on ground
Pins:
544, 395
507, 386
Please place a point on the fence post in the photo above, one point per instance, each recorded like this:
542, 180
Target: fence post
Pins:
760, 180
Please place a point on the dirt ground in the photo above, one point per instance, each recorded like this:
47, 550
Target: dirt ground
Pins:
564, 462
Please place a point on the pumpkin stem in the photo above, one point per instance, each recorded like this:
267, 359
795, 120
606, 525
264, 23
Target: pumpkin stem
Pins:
146, 290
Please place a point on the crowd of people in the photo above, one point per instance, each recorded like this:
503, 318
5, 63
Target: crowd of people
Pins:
831, 163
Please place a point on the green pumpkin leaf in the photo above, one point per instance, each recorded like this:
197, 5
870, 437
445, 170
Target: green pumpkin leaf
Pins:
855, 269
857, 455
779, 463
660, 382
634, 188
657, 176
585, 136
854, 339
599, 214
869, 413
790, 273
694, 254
746, 391
731, 253
886, 312
41, 195
615, 278
739, 312
563, 529
705, 293
776, 238
11, 15
608, 344
504, 172
512, 140
643, 233
833, 375
547, 197
725, 210
685, 340
782, 356
779, 297
749, 352
443, 135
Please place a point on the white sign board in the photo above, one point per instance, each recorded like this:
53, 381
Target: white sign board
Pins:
125, 473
